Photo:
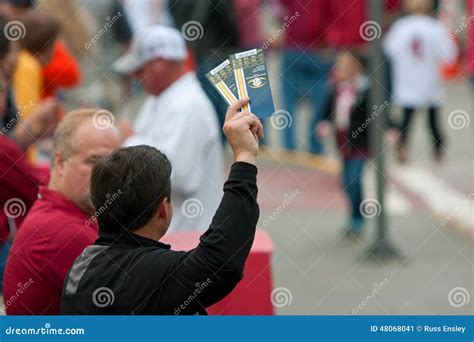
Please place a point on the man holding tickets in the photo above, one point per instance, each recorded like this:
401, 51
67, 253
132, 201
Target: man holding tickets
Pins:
178, 119
128, 271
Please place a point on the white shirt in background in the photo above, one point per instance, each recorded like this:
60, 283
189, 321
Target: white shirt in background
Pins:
182, 124
417, 47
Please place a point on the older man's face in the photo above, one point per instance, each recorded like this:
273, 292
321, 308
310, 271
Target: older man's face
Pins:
154, 76
74, 171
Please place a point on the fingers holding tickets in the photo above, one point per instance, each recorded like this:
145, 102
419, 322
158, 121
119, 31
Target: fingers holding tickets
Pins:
234, 108
243, 130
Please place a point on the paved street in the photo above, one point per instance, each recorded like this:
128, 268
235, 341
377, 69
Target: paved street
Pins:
430, 217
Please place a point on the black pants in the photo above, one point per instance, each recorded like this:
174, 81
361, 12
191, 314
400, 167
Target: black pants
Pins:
432, 120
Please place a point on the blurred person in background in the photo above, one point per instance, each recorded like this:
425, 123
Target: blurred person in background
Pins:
306, 63
61, 223
62, 70
75, 28
470, 35
19, 182
348, 109
19, 179
178, 119
143, 14
37, 42
210, 27
248, 17
417, 46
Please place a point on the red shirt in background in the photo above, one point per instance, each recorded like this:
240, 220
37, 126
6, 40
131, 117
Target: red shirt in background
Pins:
19, 182
307, 23
470, 58
52, 236
346, 19
62, 71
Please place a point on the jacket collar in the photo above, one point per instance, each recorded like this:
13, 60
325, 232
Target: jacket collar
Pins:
129, 240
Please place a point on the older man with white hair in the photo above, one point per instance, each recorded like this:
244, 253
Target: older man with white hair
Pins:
178, 119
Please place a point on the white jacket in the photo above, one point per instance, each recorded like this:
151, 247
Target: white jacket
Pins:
418, 46
181, 122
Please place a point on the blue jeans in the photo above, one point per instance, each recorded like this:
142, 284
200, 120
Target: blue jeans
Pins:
352, 182
305, 75
4, 251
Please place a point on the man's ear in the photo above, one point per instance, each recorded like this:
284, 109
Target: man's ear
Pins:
58, 163
165, 211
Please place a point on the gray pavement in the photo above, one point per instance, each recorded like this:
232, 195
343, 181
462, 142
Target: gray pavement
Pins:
317, 272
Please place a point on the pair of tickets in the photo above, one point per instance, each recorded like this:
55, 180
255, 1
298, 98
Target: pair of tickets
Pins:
243, 75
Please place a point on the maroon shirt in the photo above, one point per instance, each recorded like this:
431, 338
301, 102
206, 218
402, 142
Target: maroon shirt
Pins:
53, 234
307, 23
19, 181
346, 18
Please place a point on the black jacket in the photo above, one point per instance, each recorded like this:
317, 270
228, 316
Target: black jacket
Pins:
130, 274
358, 133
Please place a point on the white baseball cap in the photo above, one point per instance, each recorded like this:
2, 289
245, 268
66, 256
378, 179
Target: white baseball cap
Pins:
157, 41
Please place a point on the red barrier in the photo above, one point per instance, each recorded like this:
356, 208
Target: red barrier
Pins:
252, 295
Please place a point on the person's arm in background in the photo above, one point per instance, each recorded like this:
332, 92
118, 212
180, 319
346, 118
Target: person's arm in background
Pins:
27, 84
392, 41
220, 257
36, 118
447, 48
21, 177
41, 122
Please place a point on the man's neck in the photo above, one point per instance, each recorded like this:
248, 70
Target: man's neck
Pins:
149, 233
52, 185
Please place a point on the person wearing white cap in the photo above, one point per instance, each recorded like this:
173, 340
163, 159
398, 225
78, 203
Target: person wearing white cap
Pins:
177, 118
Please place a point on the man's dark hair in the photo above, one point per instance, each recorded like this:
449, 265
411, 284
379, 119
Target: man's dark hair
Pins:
4, 41
128, 186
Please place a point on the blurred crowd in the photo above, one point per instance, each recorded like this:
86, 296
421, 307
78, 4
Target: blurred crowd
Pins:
97, 58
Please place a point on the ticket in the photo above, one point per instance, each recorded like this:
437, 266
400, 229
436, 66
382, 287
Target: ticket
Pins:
222, 78
252, 81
